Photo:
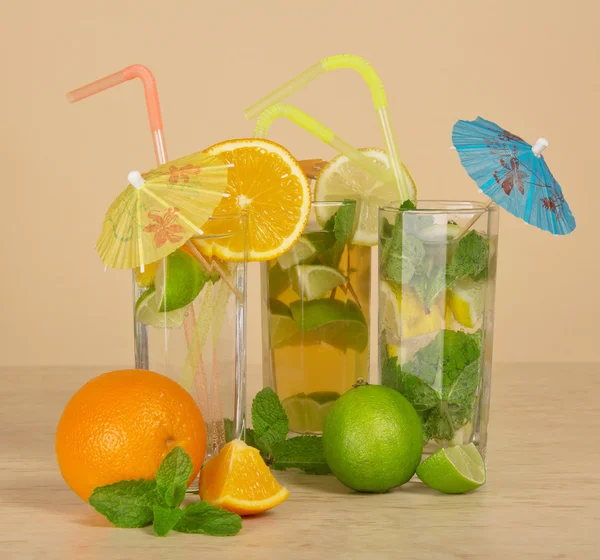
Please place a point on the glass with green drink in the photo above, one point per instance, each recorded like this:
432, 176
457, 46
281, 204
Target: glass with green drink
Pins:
315, 316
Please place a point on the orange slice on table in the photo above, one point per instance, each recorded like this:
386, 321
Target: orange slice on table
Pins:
238, 480
267, 182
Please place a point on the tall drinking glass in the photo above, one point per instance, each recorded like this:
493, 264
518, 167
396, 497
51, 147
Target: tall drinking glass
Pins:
190, 324
316, 316
436, 315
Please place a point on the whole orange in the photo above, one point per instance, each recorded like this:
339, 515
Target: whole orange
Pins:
121, 424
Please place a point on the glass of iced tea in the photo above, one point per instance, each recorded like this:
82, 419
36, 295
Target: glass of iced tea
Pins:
316, 316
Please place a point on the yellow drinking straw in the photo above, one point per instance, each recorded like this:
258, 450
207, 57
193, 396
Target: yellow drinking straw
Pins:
323, 133
379, 101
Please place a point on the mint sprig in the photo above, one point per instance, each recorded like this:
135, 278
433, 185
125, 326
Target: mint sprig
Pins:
302, 452
128, 503
201, 517
165, 518
440, 382
172, 477
138, 503
270, 421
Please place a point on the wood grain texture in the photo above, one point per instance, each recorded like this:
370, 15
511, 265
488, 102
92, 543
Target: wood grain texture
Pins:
541, 499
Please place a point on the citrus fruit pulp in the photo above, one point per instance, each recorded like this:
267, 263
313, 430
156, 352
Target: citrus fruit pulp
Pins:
372, 439
466, 300
238, 480
403, 313
453, 470
265, 182
312, 281
121, 424
342, 179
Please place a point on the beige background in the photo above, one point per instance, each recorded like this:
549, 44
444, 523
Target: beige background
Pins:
530, 66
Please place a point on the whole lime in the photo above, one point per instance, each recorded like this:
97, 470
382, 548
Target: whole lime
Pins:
372, 439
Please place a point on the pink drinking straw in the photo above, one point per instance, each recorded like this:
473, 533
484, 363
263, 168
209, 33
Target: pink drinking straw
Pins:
150, 92
160, 151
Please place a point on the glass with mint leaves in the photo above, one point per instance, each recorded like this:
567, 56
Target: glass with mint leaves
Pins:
437, 273
315, 316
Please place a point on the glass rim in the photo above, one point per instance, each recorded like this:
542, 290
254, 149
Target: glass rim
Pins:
452, 207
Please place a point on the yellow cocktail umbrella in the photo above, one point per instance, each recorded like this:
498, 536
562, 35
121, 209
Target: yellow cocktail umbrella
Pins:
160, 210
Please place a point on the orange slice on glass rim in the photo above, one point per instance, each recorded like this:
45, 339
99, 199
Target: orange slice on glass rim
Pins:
266, 182
238, 480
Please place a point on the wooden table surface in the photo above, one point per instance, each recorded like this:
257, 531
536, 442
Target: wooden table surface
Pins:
542, 499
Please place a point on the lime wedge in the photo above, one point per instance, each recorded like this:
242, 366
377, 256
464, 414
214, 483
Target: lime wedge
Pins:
279, 280
334, 322
453, 470
307, 413
466, 299
312, 281
179, 279
298, 254
283, 327
146, 311
341, 179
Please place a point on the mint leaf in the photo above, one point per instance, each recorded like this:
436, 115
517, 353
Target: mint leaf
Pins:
165, 518
403, 255
470, 258
201, 517
408, 205
435, 285
441, 382
126, 504
173, 475
302, 452
419, 394
391, 375
269, 420
341, 224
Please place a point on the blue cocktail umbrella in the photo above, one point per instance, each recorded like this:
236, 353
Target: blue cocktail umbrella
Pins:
513, 174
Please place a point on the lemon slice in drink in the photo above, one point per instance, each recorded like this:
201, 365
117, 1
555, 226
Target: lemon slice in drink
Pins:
146, 311
453, 470
312, 281
466, 299
341, 179
403, 313
307, 413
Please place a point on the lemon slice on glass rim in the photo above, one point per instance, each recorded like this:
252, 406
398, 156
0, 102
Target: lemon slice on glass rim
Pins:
342, 179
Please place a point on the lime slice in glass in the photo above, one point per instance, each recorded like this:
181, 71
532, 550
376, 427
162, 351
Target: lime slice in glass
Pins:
453, 470
179, 279
334, 322
283, 327
312, 281
279, 280
146, 311
307, 413
298, 254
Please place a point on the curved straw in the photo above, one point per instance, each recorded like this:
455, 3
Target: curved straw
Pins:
379, 101
150, 93
320, 131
